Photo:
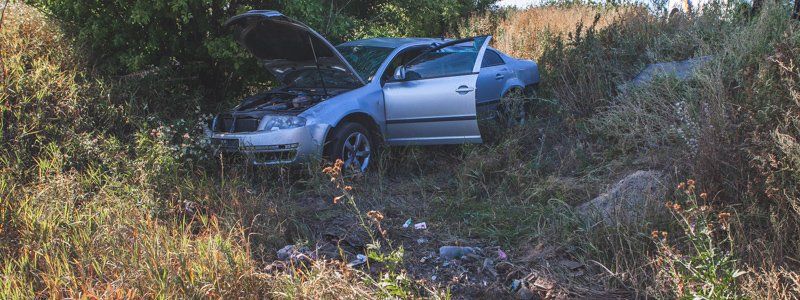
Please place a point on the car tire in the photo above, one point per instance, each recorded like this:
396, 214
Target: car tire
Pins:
513, 108
531, 90
354, 145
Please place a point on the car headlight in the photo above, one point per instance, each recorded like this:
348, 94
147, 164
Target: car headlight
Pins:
273, 123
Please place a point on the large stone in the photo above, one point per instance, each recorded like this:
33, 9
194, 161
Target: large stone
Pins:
682, 70
636, 197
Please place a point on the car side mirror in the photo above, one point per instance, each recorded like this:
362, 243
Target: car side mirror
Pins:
400, 73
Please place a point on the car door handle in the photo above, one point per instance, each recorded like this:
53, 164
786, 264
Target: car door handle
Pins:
499, 76
464, 89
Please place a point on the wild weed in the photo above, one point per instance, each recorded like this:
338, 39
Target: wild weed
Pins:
392, 280
697, 261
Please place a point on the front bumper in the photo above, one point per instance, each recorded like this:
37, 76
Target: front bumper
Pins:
285, 146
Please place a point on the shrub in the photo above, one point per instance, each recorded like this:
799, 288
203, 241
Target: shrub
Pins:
188, 36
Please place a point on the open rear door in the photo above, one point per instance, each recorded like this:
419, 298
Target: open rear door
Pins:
435, 102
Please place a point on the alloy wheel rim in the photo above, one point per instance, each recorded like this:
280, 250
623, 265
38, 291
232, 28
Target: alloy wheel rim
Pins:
356, 151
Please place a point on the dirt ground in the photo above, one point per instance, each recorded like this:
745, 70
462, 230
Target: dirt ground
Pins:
530, 269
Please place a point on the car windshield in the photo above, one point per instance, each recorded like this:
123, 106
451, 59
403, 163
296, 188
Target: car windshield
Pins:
365, 59
312, 78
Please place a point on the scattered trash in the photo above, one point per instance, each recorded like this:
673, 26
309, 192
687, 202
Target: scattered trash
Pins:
488, 263
422, 241
360, 260
524, 293
544, 283
407, 223
433, 277
290, 251
488, 266
285, 252
430, 256
453, 252
522, 290
421, 226
515, 285
501, 255
295, 254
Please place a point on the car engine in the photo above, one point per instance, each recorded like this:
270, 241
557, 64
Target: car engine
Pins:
246, 116
284, 101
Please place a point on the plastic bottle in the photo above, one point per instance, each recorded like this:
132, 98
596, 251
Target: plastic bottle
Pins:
453, 252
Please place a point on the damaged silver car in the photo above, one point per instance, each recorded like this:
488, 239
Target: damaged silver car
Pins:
343, 102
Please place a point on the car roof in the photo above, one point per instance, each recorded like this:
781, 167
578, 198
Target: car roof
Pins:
392, 42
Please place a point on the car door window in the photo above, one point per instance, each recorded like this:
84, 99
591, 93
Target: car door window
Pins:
449, 61
400, 59
491, 59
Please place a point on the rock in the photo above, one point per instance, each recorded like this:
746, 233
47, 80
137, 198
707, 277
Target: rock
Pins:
680, 69
637, 196
570, 264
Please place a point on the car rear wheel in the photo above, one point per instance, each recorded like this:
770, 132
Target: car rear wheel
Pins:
354, 145
513, 108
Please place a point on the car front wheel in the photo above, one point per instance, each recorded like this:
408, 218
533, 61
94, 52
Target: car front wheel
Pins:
353, 144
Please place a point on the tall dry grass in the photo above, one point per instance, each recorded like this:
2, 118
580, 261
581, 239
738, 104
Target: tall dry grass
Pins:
526, 33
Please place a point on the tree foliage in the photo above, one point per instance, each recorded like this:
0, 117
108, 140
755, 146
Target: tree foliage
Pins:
129, 35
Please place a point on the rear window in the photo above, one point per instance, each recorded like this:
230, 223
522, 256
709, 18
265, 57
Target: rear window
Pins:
491, 58
449, 61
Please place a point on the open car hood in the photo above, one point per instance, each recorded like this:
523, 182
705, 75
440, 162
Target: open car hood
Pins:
285, 46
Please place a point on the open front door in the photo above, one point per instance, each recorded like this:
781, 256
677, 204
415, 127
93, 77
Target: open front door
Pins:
435, 103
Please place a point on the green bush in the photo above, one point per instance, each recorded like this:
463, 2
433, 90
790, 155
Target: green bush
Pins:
188, 35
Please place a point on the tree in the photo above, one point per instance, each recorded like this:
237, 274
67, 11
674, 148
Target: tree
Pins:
130, 35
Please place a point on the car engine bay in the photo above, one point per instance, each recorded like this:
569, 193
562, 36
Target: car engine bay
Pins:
246, 116
290, 101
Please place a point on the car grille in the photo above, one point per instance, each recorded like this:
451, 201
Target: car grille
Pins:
274, 157
226, 144
237, 124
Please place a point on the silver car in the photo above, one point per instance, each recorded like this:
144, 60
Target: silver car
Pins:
343, 102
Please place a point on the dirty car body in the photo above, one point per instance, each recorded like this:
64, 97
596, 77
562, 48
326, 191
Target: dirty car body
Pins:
344, 101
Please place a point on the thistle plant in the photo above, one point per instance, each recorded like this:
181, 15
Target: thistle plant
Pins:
698, 263
392, 281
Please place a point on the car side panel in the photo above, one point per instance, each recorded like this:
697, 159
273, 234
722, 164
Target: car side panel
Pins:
490, 87
367, 99
525, 70
431, 111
